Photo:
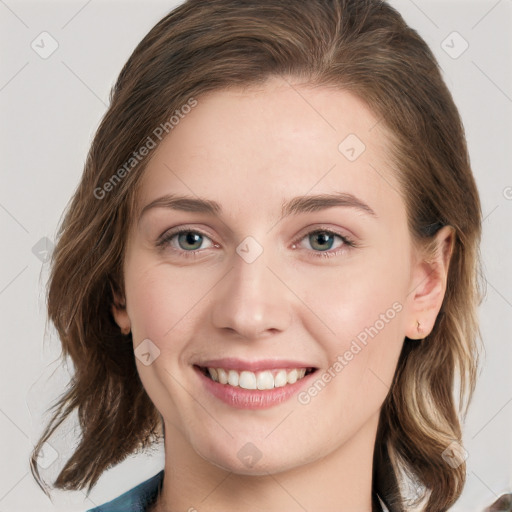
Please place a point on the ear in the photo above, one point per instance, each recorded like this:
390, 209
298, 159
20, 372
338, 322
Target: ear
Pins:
119, 311
428, 285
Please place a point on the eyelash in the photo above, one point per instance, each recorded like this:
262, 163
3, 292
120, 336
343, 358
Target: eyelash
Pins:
348, 243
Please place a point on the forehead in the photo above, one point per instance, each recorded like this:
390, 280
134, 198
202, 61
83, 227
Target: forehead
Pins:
263, 144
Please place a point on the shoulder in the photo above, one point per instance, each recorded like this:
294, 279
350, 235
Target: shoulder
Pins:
136, 499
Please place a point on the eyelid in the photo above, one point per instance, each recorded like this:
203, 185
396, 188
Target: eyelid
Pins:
348, 242
325, 228
165, 238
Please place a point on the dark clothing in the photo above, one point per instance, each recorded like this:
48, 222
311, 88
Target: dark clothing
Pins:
145, 494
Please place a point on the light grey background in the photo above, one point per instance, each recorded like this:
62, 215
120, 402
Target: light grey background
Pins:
50, 109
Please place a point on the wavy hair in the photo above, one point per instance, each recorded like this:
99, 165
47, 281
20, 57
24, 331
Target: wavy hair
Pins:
360, 46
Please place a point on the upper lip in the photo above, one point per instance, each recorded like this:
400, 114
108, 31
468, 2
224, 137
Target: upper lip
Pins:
232, 363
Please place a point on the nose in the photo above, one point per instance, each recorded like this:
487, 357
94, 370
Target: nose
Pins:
251, 301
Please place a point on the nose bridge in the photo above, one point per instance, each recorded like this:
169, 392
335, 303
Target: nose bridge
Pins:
251, 300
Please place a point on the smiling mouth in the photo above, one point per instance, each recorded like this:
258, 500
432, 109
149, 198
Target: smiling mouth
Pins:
261, 380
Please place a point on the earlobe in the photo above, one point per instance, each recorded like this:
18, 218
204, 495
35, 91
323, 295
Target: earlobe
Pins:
419, 330
429, 282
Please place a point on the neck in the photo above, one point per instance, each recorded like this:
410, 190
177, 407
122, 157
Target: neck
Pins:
338, 482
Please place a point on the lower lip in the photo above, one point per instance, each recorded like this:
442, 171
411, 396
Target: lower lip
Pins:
241, 398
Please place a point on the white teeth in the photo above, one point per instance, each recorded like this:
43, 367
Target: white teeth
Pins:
280, 379
266, 379
233, 378
247, 380
223, 376
292, 377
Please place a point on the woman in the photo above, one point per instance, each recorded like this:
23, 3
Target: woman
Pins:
272, 262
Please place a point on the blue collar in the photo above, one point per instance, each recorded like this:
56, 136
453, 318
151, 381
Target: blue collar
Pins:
137, 499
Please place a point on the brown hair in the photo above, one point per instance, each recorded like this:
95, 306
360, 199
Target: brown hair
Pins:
362, 46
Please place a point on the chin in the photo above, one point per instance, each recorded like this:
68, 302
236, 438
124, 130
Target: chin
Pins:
250, 460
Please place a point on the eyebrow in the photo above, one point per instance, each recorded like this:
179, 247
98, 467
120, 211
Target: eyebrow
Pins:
294, 206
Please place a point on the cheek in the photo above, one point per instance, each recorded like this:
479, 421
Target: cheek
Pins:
361, 306
160, 303
161, 307
146, 303
353, 297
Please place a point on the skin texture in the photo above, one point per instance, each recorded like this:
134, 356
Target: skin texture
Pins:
250, 151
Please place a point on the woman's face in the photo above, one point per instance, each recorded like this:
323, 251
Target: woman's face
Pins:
295, 256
